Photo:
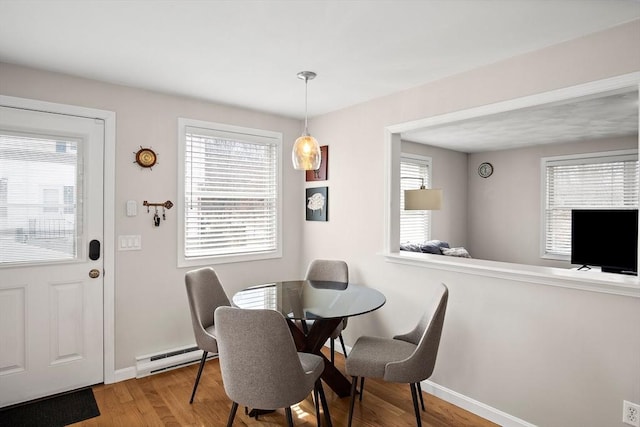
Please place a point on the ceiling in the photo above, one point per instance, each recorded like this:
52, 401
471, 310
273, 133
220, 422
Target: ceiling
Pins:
605, 116
247, 53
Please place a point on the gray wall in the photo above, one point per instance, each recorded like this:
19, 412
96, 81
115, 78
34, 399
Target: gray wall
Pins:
551, 356
498, 218
450, 174
505, 209
151, 309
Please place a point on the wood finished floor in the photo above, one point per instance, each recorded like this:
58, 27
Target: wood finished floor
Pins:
163, 400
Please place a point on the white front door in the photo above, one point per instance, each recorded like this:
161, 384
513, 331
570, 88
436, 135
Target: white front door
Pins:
51, 261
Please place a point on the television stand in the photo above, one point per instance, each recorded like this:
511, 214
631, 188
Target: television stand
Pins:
605, 270
618, 271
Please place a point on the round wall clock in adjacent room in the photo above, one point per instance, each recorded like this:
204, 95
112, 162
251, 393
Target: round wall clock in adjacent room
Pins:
485, 170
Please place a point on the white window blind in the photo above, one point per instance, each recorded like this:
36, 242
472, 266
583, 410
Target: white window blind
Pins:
231, 194
415, 226
36, 223
596, 181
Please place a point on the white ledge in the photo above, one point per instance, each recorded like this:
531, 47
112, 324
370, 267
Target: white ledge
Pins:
592, 281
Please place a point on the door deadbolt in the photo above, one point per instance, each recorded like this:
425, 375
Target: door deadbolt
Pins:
94, 273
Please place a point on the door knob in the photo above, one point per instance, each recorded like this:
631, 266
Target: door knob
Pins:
94, 273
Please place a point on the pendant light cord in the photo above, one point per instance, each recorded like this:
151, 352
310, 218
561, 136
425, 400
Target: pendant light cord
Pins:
306, 76
306, 85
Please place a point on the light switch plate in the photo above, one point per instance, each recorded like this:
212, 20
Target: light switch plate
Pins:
130, 242
132, 208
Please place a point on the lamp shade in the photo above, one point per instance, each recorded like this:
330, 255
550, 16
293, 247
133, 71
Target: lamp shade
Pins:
424, 199
306, 153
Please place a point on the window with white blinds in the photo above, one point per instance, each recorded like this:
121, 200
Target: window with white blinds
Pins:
36, 223
415, 226
594, 181
231, 193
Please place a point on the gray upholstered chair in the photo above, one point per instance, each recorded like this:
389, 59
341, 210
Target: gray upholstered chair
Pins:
408, 358
260, 365
205, 294
335, 271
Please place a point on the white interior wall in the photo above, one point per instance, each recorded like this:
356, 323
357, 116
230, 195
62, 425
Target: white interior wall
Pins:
547, 355
449, 173
498, 218
151, 308
505, 209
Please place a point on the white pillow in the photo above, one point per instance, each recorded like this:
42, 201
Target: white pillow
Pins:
459, 252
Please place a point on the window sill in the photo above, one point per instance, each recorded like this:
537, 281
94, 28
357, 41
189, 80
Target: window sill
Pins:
228, 259
592, 281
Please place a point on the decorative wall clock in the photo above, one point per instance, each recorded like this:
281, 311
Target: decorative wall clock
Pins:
146, 157
485, 170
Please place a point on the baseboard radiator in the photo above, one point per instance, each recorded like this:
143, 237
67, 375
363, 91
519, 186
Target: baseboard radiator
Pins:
170, 359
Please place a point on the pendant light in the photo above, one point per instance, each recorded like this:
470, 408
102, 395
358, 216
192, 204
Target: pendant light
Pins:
306, 150
423, 199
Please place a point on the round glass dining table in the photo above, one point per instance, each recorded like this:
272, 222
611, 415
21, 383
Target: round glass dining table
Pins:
311, 299
324, 302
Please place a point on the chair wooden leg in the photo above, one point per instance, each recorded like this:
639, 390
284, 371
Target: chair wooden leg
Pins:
333, 349
325, 405
287, 411
232, 414
344, 349
420, 394
354, 385
361, 388
414, 397
195, 386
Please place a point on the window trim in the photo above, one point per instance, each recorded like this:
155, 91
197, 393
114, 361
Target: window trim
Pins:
568, 159
226, 131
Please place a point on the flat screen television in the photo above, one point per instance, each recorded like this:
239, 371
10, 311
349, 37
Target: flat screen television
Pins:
607, 238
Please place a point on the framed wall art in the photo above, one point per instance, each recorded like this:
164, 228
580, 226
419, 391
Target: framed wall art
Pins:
317, 204
320, 174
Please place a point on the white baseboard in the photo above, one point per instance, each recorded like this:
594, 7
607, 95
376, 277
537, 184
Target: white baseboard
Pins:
478, 408
124, 374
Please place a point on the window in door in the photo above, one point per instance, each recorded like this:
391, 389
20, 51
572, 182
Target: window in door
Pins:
34, 225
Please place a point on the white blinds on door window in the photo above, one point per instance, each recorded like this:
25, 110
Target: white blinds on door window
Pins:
231, 194
38, 212
602, 182
414, 225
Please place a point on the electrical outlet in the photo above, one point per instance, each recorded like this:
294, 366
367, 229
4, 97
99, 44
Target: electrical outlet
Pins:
630, 413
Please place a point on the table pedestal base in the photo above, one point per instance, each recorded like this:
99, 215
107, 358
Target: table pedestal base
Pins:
313, 342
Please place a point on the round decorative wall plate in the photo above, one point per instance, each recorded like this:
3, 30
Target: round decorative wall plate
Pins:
146, 157
485, 170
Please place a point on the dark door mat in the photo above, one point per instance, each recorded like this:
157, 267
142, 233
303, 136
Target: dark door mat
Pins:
55, 411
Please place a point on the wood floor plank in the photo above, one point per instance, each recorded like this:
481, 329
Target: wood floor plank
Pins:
163, 400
